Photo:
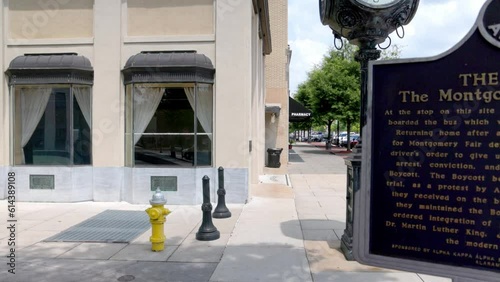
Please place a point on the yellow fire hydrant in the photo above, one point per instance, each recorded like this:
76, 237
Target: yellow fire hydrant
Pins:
157, 215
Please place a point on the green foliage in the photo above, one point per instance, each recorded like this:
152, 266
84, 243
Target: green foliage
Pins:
303, 97
332, 89
393, 52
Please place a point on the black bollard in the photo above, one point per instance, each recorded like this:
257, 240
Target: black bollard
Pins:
207, 231
221, 211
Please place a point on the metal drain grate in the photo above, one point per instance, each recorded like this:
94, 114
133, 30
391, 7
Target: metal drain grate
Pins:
110, 226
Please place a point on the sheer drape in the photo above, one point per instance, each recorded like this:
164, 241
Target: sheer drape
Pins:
82, 95
33, 104
146, 100
204, 112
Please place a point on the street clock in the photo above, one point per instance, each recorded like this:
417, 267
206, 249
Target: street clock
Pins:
378, 3
366, 22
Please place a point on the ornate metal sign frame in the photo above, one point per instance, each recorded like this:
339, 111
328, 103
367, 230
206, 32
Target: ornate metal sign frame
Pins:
487, 26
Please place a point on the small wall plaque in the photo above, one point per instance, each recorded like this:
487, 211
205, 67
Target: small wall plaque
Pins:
165, 183
42, 181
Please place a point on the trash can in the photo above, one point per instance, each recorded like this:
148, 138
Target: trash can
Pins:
273, 157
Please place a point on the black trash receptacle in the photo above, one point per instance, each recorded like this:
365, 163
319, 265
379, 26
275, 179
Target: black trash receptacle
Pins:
273, 157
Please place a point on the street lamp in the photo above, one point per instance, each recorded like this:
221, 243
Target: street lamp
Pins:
365, 23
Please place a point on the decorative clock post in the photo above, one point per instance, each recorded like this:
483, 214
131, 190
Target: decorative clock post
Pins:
365, 23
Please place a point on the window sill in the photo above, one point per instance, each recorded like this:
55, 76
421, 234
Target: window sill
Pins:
171, 38
57, 41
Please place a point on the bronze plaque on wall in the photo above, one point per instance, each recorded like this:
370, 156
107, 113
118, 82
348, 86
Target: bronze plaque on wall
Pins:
165, 183
38, 181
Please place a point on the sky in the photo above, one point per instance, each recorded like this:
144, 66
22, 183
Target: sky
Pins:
437, 26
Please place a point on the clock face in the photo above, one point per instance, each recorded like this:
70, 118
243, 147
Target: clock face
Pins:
378, 3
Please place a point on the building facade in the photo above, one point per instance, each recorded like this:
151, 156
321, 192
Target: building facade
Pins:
277, 84
107, 100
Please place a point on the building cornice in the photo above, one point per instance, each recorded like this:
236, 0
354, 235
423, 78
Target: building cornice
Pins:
263, 11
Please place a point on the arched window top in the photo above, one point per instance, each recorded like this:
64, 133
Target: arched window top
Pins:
61, 68
168, 67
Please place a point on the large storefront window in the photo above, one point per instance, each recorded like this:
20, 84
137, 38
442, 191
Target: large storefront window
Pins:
169, 124
52, 125
169, 109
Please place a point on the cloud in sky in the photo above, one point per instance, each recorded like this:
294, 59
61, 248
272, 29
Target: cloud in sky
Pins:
437, 26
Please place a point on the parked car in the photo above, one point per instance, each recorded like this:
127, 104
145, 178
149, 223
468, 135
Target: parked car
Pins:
338, 139
317, 137
335, 139
353, 140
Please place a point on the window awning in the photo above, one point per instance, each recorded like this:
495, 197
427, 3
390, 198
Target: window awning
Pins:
273, 108
297, 112
60, 68
169, 67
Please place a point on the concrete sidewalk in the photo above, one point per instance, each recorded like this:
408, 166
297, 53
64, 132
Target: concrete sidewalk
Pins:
285, 233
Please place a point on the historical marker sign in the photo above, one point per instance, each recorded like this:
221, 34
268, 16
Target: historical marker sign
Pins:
430, 199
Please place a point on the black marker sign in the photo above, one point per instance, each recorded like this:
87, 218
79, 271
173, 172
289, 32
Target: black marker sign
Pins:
435, 155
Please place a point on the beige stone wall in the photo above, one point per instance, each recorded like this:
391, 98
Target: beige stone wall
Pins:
172, 17
276, 62
108, 32
240, 88
33, 19
258, 133
5, 107
108, 99
232, 55
277, 81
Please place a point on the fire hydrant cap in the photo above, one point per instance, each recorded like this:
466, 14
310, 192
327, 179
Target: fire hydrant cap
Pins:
158, 198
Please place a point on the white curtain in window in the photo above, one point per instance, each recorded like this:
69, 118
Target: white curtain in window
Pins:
33, 104
146, 100
82, 95
204, 112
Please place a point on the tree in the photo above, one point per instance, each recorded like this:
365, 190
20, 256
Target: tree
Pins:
332, 89
393, 52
